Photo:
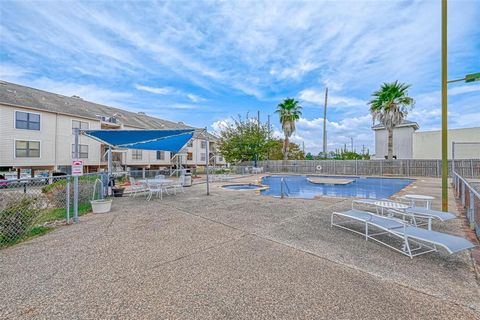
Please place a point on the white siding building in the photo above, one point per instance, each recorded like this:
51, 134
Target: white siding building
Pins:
36, 132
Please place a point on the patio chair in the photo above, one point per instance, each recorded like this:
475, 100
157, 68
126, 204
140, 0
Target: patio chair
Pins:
415, 241
177, 184
154, 188
136, 187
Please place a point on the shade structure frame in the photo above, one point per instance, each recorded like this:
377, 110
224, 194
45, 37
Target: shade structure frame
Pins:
154, 140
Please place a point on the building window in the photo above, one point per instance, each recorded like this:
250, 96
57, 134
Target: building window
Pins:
82, 151
160, 155
190, 144
137, 154
27, 120
202, 157
79, 125
220, 159
27, 149
189, 156
203, 144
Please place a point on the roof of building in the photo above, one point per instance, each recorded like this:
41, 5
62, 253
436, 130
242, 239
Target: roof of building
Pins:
405, 123
14, 94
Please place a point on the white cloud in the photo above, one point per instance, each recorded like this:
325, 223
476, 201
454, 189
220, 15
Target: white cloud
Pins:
315, 96
12, 72
162, 91
467, 88
88, 92
195, 98
338, 133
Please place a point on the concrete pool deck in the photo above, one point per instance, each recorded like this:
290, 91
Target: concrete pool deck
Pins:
231, 255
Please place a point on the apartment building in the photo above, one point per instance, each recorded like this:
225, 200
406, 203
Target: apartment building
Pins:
37, 132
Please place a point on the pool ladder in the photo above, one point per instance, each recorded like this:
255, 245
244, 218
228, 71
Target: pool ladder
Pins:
283, 186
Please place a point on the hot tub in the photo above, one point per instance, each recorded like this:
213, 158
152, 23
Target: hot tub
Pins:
243, 186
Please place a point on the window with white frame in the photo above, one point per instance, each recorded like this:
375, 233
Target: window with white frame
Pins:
160, 155
189, 156
203, 156
27, 149
136, 154
220, 159
27, 120
190, 144
82, 151
76, 124
203, 144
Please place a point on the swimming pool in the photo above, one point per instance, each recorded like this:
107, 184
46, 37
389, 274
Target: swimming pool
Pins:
300, 187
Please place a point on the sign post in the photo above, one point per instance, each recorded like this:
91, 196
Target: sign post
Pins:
77, 170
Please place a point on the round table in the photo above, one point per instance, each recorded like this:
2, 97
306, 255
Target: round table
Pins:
420, 197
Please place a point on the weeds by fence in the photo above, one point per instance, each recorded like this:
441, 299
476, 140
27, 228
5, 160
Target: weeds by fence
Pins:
28, 207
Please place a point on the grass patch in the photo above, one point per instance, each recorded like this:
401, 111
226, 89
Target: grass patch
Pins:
60, 213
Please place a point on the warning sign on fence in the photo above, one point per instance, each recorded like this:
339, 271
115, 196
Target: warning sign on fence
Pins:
77, 167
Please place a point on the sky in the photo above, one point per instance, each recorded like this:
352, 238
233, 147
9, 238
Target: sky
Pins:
204, 62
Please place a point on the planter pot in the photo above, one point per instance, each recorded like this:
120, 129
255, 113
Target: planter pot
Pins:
118, 192
101, 206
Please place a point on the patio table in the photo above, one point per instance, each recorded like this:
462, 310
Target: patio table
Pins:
418, 197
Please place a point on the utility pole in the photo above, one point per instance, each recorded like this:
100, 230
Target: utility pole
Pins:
351, 141
268, 136
303, 147
444, 110
325, 124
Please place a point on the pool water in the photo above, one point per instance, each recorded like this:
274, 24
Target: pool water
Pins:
361, 187
242, 187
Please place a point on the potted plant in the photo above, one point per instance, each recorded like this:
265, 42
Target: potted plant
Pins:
100, 205
118, 191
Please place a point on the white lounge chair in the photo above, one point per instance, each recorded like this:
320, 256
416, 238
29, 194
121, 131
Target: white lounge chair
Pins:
416, 214
424, 240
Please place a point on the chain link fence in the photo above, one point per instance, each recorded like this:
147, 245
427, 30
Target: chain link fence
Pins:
29, 207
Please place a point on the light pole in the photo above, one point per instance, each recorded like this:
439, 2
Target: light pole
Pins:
444, 110
468, 78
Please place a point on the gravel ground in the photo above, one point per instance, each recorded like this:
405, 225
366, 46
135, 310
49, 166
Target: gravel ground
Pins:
234, 255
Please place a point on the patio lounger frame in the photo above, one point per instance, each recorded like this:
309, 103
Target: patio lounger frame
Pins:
415, 214
415, 241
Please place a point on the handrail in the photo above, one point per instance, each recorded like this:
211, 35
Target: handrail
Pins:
472, 189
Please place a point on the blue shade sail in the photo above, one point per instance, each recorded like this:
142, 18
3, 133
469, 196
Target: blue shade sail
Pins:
157, 140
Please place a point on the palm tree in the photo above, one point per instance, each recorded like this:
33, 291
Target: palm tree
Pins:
390, 106
289, 111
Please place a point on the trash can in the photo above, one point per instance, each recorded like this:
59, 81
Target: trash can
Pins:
187, 178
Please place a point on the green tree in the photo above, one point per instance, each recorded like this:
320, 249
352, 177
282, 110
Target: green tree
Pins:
389, 106
289, 111
276, 147
309, 156
243, 140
